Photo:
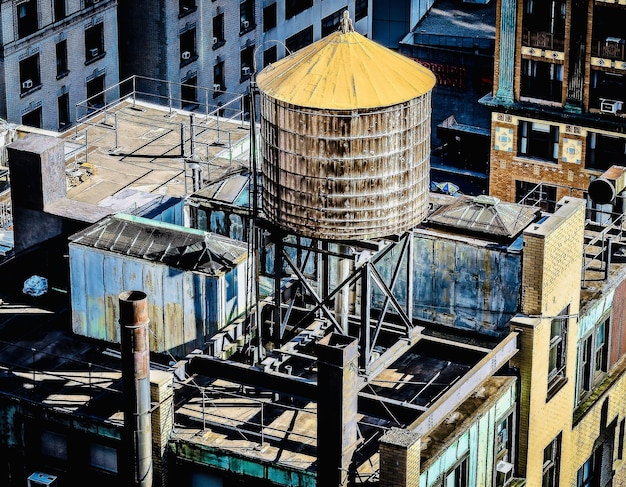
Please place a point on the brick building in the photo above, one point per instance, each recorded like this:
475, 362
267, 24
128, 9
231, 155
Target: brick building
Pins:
55, 56
559, 84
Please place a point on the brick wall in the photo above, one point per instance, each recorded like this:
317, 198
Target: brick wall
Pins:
399, 459
161, 395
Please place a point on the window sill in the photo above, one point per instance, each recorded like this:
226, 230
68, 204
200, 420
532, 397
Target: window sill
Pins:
555, 385
525, 159
219, 92
186, 62
30, 90
63, 74
250, 28
94, 59
186, 11
219, 44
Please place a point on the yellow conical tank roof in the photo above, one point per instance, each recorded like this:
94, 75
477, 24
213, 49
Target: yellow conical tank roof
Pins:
345, 71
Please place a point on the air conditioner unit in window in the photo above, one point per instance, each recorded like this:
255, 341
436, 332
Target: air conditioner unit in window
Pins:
214, 40
245, 24
186, 55
28, 84
504, 473
40, 479
217, 87
245, 71
610, 106
93, 52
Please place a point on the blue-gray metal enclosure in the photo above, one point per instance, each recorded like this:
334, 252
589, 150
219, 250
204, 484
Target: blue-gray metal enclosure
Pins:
195, 281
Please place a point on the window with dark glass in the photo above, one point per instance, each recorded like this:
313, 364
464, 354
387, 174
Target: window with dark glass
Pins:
186, 6
294, 7
360, 9
95, 92
189, 93
29, 74
604, 151
270, 56
26, 18
246, 62
457, 476
542, 80
32, 118
94, 42
218, 79
607, 92
557, 350
187, 44
61, 51
608, 37
593, 352
63, 107
246, 16
53, 445
59, 10
331, 23
536, 194
218, 31
551, 463
300, 39
269, 17
543, 24
103, 457
539, 140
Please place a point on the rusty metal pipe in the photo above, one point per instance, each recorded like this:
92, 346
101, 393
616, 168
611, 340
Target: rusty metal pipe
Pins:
136, 384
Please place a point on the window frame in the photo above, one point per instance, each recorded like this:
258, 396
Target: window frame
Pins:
593, 357
532, 144
557, 352
295, 7
551, 463
28, 72
94, 43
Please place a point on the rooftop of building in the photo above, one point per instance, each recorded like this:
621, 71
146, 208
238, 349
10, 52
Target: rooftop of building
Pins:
455, 24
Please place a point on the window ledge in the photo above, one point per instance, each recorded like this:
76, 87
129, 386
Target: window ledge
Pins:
219, 44
524, 159
250, 28
31, 90
63, 74
555, 385
597, 392
187, 11
95, 58
185, 62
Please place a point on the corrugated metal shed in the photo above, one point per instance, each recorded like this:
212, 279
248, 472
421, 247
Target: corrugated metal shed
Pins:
196, 281
344, 71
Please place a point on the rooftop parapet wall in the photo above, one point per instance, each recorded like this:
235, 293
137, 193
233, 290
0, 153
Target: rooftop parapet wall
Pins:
553, 257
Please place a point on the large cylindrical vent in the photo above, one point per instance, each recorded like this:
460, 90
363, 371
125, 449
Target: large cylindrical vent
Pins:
605, 188
136, 386
345, 140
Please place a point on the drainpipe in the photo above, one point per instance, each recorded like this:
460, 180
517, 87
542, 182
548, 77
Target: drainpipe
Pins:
137, 431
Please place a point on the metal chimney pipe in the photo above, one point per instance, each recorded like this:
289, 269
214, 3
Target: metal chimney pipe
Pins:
136, 385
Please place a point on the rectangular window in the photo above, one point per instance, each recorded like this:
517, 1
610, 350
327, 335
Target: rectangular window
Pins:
536, 194
246, 16
543, 24
32, 118
189, 93
29, 74
557, 350
218, 79
360, 9
300, 39
607, 92
59, 10
270, 56
593, 351
61, 50
218, 31
541, 80
504, 439
103, 457
538, 140
26, 18
458, 475
186, 7
551, 461
94, 43
604, 151
187, 45
53, 445
246, 62
294, 7
63, 105
95, 92
269, 17
331, 23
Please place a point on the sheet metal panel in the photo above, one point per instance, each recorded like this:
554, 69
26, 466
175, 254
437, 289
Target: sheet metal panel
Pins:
184, 307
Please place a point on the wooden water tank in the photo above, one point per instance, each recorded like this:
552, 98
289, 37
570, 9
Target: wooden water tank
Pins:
345, 140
